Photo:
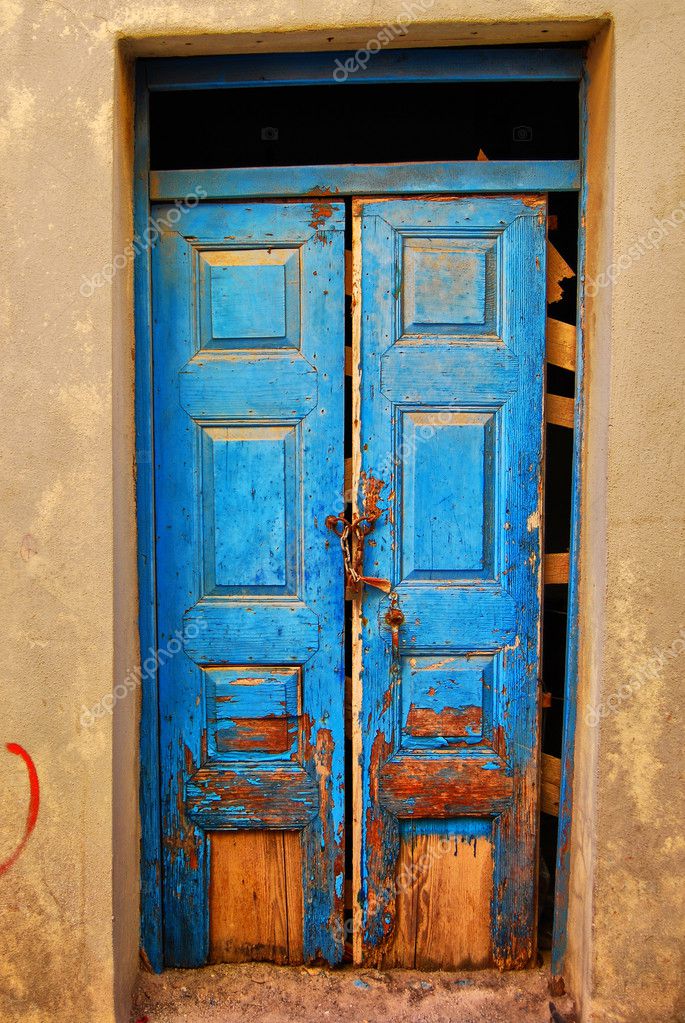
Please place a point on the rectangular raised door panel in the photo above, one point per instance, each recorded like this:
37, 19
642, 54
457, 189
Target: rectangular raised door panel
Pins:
248, 347
448, 341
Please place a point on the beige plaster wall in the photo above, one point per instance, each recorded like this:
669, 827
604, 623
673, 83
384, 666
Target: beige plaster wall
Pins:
69, 904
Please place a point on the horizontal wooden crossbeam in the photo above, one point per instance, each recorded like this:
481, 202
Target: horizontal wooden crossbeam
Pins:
472, 64
445, 786
335, 180
251, 796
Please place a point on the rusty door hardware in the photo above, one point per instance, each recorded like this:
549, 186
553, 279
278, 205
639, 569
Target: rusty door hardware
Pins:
351, 534
394, 619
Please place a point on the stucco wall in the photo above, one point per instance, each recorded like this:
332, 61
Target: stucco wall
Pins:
69, 903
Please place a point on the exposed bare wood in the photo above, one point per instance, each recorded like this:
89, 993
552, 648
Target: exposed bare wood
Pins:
401, 950
559, 411
556, 568
294, 895
550, 784
558, 270
481, 155
348, 475
552, 222
348, 272
443, 903
256, 907
561, 344
348, 705
348, 361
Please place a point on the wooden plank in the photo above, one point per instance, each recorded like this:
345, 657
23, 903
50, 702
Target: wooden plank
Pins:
256, 907
486, 616
283, 386
401, 949
444, 893
479, 375
550, 781
561, 344
526, 63
558, 270
348, 272
291, 626
368, 179
559, 411
556, 568
447, 786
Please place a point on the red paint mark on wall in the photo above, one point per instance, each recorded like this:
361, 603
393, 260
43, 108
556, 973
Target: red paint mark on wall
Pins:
34, 804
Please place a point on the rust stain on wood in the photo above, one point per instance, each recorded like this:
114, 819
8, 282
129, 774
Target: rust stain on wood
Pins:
321, 210
380, 906
450, 722
371, 494
268, 734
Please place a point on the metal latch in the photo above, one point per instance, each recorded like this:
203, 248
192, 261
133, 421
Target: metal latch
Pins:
352, 534
394, 619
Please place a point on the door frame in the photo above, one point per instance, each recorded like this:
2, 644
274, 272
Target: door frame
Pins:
494, 64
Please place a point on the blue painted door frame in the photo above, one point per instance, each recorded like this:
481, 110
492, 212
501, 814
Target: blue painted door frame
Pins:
440, 65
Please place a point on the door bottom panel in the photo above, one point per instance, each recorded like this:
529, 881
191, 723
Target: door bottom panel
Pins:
256, 908
444, 891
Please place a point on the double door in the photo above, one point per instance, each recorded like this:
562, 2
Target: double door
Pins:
406, 829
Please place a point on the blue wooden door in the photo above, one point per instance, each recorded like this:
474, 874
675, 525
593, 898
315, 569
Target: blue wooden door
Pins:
450, 307
248, 350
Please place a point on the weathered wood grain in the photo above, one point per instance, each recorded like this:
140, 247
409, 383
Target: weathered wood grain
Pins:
255, 897
559, 411
371, 179
558, 271
561, 344
444, 894
550, 782
556, 568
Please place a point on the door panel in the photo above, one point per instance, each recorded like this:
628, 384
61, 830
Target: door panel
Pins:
248, 348
449, 348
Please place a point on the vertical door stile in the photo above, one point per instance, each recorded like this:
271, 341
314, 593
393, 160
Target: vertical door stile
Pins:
377, 832
356, 630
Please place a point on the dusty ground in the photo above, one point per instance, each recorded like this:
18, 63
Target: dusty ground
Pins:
272, 994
